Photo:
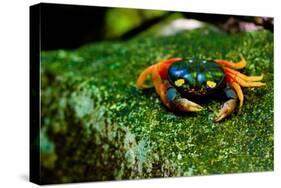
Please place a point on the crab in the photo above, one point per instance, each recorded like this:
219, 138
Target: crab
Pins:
181, 81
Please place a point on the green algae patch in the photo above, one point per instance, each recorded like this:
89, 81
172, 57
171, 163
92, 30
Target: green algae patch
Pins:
96, 125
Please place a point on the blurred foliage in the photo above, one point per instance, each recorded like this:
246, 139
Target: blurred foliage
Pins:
118, 21
99, 126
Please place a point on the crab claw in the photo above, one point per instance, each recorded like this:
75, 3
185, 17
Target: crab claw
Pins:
185, 105
227, 109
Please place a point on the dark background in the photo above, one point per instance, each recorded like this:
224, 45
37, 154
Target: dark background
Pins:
69, 26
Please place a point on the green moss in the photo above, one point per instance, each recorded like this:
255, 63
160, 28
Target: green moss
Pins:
104, 128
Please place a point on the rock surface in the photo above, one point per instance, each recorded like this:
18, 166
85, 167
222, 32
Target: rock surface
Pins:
96, 125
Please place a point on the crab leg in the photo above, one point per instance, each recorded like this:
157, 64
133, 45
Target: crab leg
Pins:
159, 86
229, 106
242, 76
239, 92
248, 84
143, 76
244, 80
239, 65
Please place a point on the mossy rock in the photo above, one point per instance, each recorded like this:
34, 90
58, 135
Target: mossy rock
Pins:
101, 127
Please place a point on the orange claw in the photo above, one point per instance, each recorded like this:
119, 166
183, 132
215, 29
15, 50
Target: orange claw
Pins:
226, 110
185, 105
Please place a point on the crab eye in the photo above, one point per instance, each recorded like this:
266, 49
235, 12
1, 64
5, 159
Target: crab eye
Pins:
211, 84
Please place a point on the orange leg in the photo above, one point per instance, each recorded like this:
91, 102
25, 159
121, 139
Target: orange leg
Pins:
243, 83
239, 92
242, 76
160, 87
243, 80
236, 83
239, 65
143, 76
237, 79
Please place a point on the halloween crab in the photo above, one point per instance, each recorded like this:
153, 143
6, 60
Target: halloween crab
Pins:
178, 81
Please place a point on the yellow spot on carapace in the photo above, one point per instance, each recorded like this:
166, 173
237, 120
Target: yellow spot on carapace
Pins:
211, 84
179, 82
